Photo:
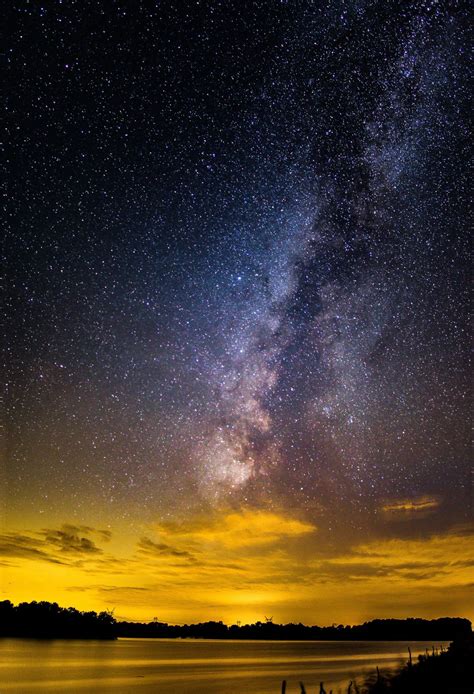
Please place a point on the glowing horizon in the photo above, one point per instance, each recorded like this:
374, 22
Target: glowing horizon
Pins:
239, 566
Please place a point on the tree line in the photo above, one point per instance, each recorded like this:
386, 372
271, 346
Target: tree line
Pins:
413, 629
49, 620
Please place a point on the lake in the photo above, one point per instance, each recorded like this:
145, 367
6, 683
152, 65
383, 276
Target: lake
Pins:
202, 666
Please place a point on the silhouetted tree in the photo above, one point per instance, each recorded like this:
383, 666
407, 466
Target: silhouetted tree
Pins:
48, 620
444, 629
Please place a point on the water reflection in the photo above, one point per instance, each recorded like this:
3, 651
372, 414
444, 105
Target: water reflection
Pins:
198, 666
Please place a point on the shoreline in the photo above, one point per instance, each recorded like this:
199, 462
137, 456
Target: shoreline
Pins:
215, 639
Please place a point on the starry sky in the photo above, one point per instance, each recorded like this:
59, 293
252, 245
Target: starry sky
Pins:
238, 273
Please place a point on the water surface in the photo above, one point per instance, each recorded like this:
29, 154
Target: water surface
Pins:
202, 666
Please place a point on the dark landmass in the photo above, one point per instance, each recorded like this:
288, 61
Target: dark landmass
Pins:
440, 671
48, 620
412, 629
446, 672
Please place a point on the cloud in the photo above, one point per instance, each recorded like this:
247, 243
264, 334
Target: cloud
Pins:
148, 547
245, 528
56, 546
20, 546
407, 509
405, 561
107, 588
69, 541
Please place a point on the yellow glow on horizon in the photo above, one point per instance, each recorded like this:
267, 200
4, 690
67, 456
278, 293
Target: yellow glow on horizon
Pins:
239, 565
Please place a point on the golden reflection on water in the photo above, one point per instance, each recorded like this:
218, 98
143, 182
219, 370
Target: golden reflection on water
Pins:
198, 666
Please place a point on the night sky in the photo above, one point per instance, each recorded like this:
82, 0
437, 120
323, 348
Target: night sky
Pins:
238, 288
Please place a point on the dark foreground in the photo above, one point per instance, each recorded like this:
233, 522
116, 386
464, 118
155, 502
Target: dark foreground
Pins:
450, 672
439, 672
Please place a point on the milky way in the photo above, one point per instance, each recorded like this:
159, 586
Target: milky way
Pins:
239, 265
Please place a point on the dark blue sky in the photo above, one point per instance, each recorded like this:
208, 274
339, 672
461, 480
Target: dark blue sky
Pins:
238, 264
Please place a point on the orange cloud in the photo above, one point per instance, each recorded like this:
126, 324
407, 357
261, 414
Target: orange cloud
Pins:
246, 528
241, 565
406, 509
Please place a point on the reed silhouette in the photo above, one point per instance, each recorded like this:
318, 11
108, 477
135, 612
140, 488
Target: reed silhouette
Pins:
440, 671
